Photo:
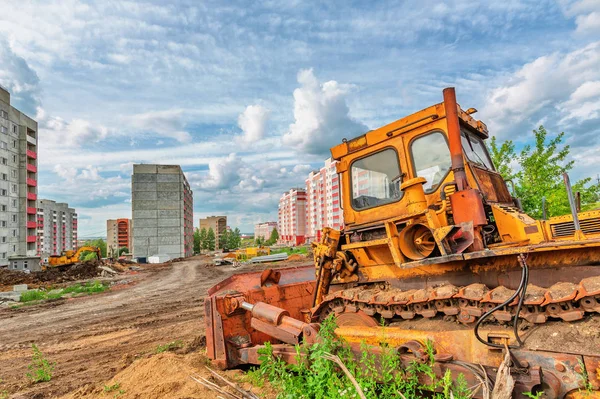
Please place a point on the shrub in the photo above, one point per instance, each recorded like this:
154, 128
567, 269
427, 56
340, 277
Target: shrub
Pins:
40, 368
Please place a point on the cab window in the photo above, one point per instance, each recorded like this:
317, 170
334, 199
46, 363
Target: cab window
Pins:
431, 159
475, 150
376, 180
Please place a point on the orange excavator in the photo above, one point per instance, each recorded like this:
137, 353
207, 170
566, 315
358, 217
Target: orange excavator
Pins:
70, 257
434, 248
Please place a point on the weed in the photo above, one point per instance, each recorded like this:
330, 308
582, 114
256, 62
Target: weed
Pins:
169, 347
379, 376
531, 395
113, 387
40, 295
4, 393
587, 385
40, 368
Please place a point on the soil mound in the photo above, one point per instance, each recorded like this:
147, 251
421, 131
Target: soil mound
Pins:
79, 271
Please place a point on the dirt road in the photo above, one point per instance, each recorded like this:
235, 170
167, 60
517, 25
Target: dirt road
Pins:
93, 338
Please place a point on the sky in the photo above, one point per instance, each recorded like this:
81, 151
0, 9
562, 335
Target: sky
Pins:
248, 97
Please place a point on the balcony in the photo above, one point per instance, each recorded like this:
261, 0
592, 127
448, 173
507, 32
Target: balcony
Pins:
31, 140
31, 182
31, 238
31, 196
31, 225
31, 154
31, 210
31, 168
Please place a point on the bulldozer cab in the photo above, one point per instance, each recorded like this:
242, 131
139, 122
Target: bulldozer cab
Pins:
374, 166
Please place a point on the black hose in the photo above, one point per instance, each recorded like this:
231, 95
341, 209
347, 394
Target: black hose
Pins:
522, 288
521, 299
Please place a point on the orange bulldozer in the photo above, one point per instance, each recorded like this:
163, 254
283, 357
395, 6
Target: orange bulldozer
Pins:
434, 248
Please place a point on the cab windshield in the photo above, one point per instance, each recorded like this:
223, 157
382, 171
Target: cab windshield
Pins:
475, 150
376, 180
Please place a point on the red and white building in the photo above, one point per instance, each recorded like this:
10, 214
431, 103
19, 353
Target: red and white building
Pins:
264, 230
323, 201
292, 217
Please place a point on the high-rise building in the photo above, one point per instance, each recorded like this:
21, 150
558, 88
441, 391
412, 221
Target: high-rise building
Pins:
56, 228
18, 187
264, 230
323, 201
292, 217
162, 208
217, 223
118, 235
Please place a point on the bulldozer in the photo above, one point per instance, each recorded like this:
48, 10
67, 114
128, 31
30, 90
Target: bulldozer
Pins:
435, 249
70, 257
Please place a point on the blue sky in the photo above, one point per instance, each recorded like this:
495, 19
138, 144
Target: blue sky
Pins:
249, 96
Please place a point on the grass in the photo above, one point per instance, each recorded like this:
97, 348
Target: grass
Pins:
587, 385
40, 369
113, 387
3, 393
41, 295
291, 251
382, 376
171, 346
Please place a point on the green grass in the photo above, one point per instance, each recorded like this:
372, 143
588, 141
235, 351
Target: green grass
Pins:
113, 387
382, 376
291, 251
169, 347
40, 369
41, 295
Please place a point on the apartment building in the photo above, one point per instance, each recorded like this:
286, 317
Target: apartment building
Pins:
323, 201
18, 187
162, 207
118, 235
56, 228
292, 217
264, 230
217, 223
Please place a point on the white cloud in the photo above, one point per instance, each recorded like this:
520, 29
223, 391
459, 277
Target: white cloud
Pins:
168, 123
586, 14
19, 79
253, 122
55, 131
321, 115
223, 173
562, 81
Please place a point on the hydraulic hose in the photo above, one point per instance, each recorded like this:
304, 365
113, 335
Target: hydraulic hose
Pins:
520, 291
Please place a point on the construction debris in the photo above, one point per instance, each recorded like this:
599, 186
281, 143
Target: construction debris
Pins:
269, 258
239, 392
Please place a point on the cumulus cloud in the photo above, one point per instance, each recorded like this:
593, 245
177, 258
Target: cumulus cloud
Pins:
321, 115
566, 82
75, 133
253, 122
19, 79
168, 123
586, 14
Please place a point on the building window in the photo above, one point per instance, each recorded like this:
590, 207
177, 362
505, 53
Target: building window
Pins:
14, 233
4, 114
14, 143
4, 161
14, 157
14, 188
14, 217
14, 128
25, 265
4, 130
3, 192
14, 248
3, 145
4, 176
14, 202
13, 173
4, 239
3, 208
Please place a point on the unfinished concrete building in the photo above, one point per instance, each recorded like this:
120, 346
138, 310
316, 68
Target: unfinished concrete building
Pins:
217, 223
162, 208
118, 235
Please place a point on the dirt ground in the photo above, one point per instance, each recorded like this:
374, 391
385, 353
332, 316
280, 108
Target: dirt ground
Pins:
111, 338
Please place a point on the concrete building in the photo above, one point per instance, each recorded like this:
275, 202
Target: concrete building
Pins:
118, 235
217, 223
323, 201
56, 228
18, 187
264, 230
162, 208
292, 217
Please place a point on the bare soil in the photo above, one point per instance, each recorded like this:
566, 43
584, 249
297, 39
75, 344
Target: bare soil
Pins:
112, 337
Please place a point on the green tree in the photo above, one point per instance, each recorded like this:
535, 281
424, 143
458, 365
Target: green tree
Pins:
210, 239
541, 167
273, 238
123, 250
197, 242
99, 243
234, 239
224, 240
202, 237
259, 241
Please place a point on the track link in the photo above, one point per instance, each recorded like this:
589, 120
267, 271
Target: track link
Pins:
565, 301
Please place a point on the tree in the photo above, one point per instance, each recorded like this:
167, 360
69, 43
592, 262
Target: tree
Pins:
123, 250
273, 238
541, 167
202, 237
210, 239
259, 241
197, 245
99, 242
224, 240
235, 239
